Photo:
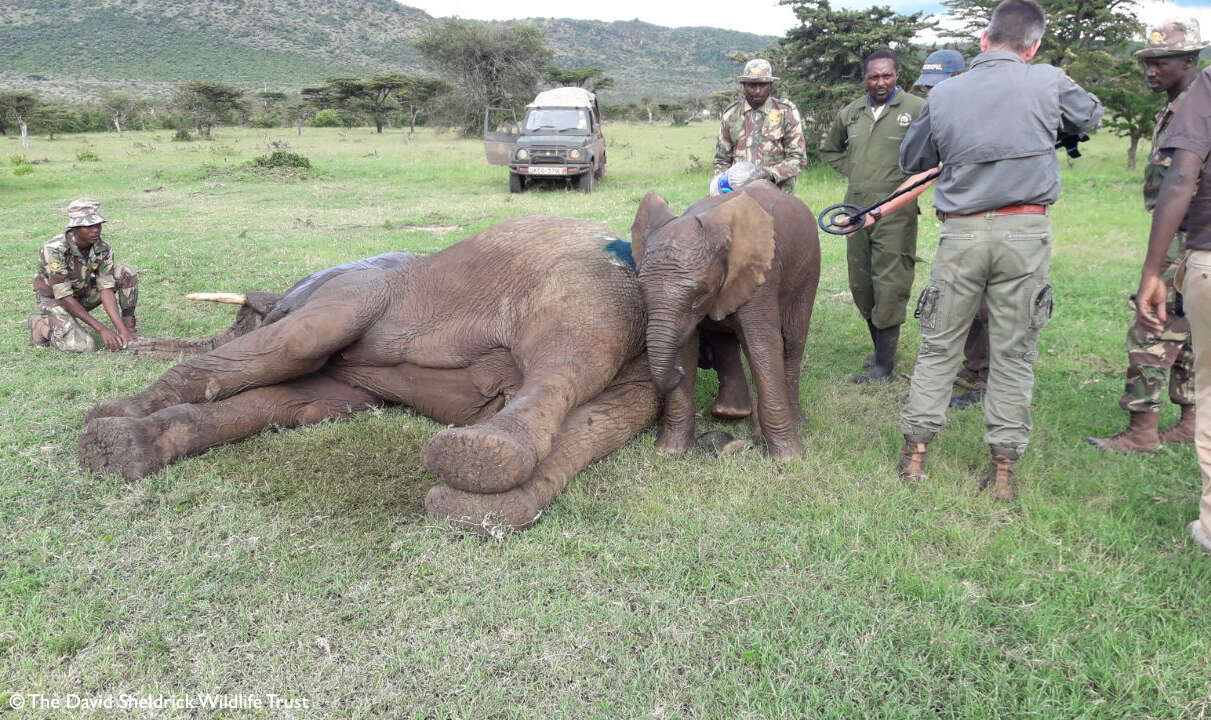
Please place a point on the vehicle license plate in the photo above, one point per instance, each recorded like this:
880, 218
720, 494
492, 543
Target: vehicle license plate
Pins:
546, 170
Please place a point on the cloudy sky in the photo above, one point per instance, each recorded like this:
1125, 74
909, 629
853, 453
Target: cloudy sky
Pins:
758, 16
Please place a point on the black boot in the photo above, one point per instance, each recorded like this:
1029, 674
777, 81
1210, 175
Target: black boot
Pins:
870, 359
886, 341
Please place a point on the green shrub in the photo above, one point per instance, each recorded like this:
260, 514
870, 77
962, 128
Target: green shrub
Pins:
18, 159
23, 169
86, 155
182, 135
283, 160
264, 121
334, 118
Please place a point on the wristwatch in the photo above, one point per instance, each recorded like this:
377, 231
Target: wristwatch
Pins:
876, 213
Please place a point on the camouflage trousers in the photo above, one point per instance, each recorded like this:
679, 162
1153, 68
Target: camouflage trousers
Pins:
1156, 360
68, 334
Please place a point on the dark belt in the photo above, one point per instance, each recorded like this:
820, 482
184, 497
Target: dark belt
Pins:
1007, 210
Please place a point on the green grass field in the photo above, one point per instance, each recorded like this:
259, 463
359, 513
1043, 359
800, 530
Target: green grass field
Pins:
301, 563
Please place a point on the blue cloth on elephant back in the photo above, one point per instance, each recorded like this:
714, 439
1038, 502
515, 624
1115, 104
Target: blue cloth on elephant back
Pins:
621, 249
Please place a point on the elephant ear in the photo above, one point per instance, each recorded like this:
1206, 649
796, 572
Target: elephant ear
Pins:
653, 212
750, 252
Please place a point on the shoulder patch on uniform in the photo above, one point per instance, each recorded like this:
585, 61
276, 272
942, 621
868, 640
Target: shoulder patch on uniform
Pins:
904, 119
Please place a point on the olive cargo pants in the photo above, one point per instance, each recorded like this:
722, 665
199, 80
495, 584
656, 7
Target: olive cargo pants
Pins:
1196, 291
1005, 258
882, 260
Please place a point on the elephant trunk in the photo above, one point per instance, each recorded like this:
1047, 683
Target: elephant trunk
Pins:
664, 351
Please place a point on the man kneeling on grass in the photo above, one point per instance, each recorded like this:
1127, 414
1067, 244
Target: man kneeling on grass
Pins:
76, 273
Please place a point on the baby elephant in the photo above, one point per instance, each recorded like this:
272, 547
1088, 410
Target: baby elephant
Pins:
745, 264
528, 335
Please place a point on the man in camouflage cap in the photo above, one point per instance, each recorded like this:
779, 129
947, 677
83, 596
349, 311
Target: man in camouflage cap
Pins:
1170, 63
763, 130
76, 273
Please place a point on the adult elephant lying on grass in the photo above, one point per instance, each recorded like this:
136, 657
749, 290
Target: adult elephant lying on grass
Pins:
528, 335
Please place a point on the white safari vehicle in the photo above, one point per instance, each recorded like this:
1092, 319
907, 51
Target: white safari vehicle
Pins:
558, 139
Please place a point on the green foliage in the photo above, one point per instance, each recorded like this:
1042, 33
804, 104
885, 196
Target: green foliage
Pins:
1073, 26
592, 79
23, 169
335, 118
182, 135
87, 155
821, 58
206, 104
1118, 82
282, 159
485, 65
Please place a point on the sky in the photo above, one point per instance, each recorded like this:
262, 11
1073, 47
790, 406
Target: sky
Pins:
765, 17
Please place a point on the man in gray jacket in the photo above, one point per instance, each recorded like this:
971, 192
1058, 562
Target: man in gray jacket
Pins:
993, 131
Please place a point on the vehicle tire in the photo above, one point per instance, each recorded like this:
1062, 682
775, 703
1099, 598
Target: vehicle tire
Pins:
517, 183
585, 183
601, 170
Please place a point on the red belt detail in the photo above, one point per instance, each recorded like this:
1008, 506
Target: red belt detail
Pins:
1007, 210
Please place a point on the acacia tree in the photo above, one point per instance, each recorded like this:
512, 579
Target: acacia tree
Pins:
821, 59
208, 104
416, 94
19, 106
54, 117
497, 65
1131, 106
121, 107
592, 79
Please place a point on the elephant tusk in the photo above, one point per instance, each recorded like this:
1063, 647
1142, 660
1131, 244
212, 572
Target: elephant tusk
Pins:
219, 297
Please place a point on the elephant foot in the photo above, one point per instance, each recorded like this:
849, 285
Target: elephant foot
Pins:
489, 514
783, 451
730, 409
478, 459
132, 406
119, 445
675, 443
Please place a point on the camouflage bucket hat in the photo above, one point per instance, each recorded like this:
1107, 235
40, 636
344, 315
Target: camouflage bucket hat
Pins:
1175, 36
84, 212
757, 71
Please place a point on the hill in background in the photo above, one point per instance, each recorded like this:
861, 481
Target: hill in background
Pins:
76, 48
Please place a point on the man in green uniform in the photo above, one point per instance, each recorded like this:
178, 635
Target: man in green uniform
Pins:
76, 273
1170, 57
864, 146
763, 130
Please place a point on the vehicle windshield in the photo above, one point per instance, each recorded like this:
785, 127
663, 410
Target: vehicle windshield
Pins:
561, 120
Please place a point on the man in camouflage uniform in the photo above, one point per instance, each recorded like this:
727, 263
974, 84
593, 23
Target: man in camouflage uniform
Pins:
1170, 58
76, 273
763, 130
864, 146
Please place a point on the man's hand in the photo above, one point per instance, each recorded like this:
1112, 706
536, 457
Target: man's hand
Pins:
845, 221
112, 341
126, 336
763, 174
1150, 311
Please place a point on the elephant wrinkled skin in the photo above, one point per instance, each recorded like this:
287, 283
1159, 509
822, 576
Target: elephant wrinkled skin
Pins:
527, 336
743, 266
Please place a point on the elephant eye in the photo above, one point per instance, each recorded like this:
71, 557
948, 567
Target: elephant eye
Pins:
700, 301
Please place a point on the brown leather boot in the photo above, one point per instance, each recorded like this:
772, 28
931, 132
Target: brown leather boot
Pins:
1000, 475
1183, 431
912, 462
39, 330
1139, 437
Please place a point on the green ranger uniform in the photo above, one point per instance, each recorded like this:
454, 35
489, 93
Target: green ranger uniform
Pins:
866, 150
1154, 359
770, 137
85, 278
